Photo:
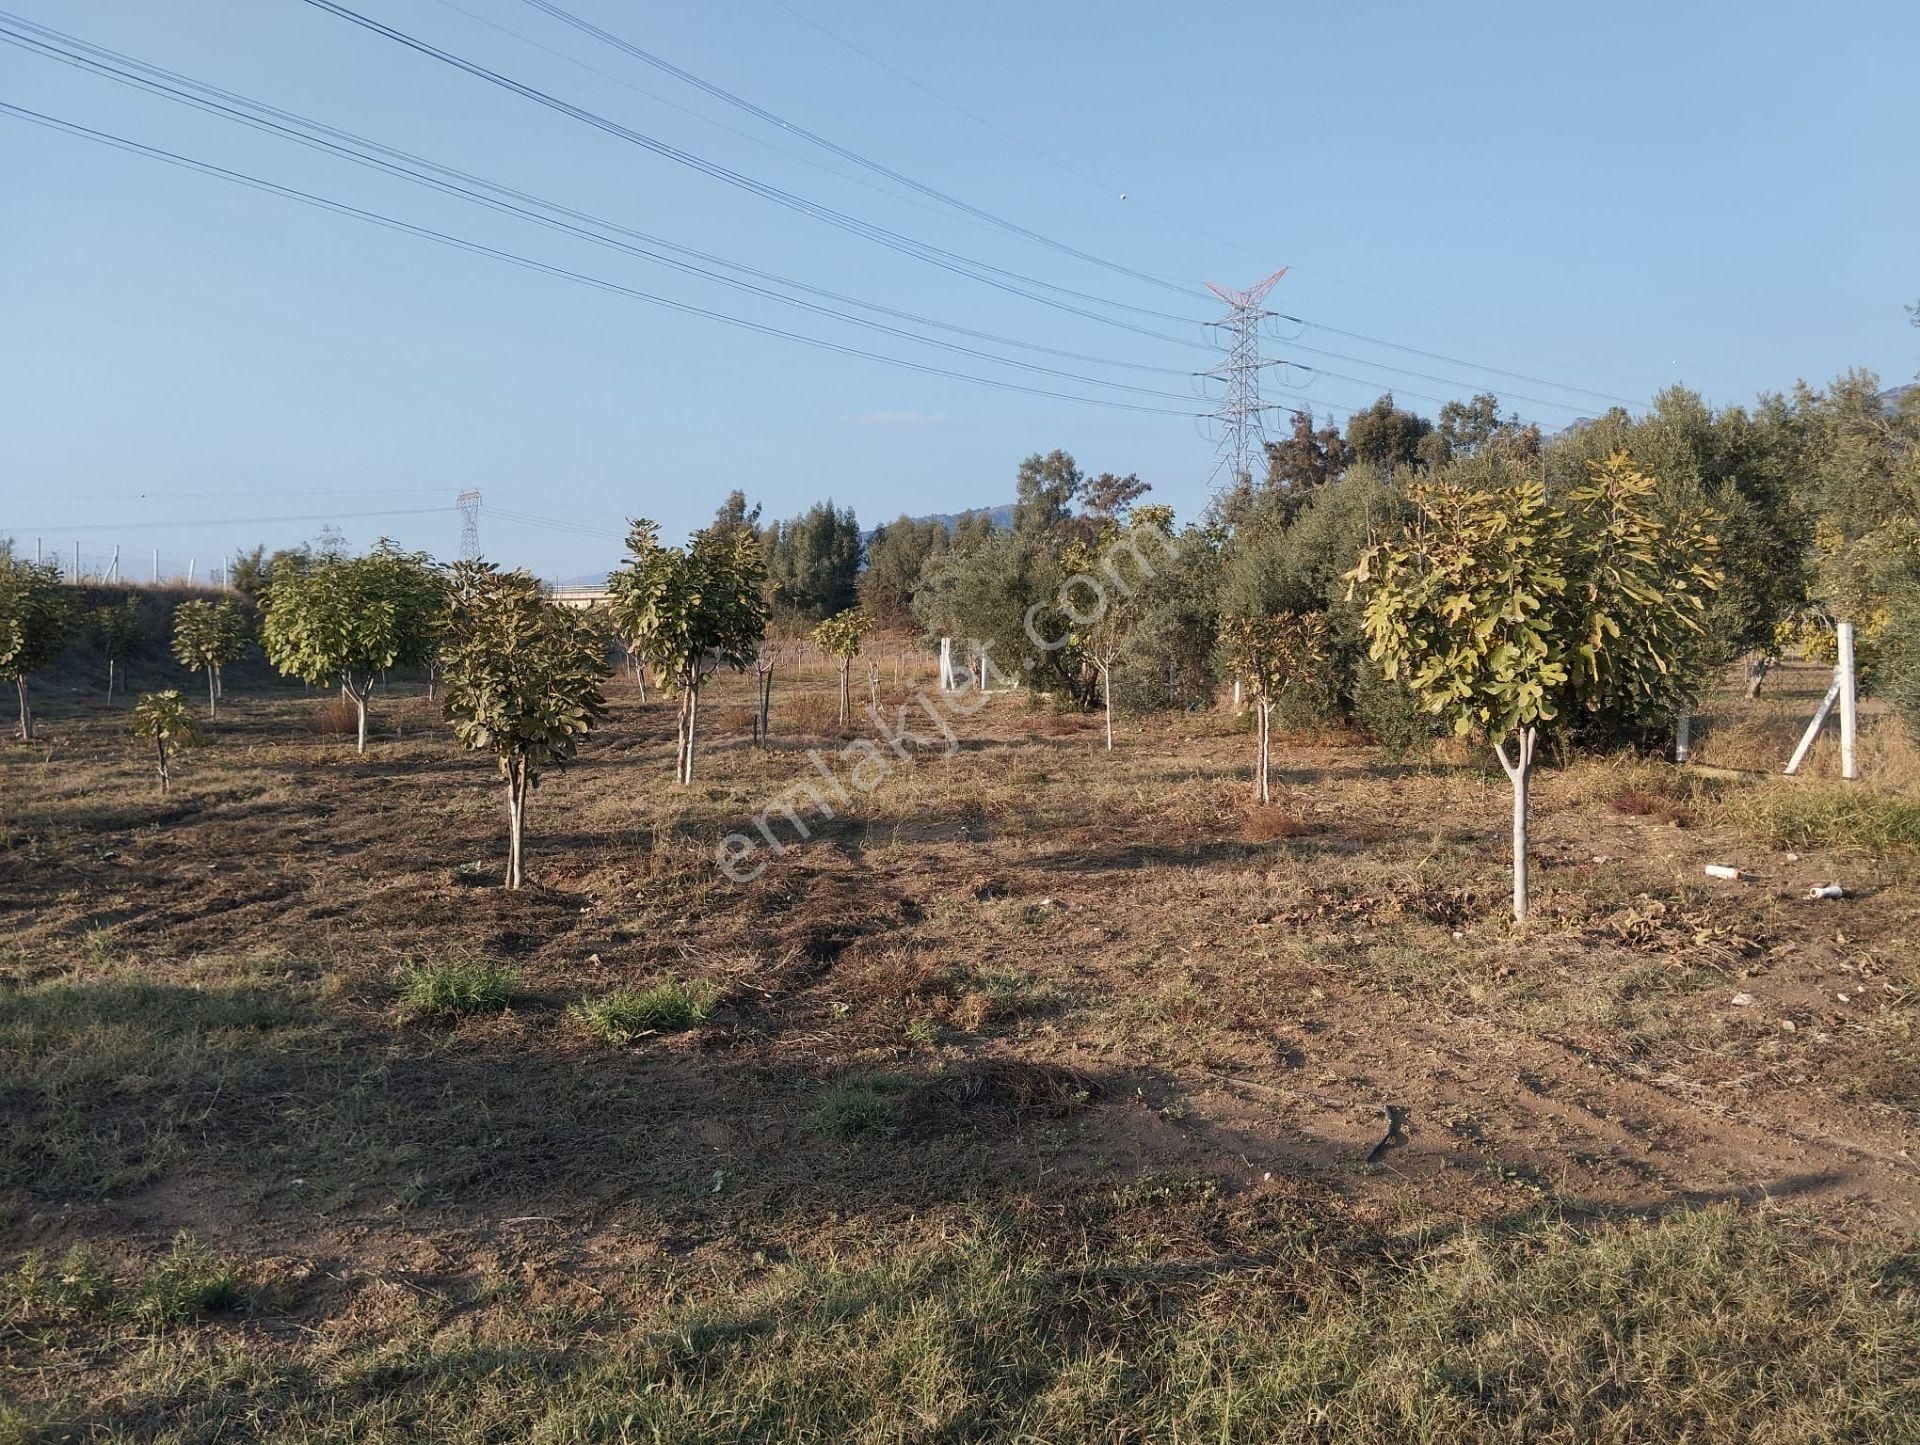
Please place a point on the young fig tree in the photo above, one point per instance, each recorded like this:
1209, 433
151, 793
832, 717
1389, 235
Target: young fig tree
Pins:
688, 610
207, 636
841, 636
1273, 654
522, 680
116, 631
1500, 608
333, 622
35, 618
164, 720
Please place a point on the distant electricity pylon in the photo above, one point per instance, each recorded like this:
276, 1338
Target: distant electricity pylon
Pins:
1243, 437
469, 505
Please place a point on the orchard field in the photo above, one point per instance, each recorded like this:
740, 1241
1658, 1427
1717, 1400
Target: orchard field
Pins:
1042, 1093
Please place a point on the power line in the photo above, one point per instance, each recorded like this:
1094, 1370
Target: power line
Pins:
318, 143
234, 521
545, 268
1008, 135
586, 27
95, 59
1128, 198
102, 61
889, 192
953, 261
1436, 356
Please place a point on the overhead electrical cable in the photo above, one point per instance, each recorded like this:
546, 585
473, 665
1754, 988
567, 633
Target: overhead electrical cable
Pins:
1436, 356
546, 268
1108, 187
953, 261
125, 525
660, 63
799, 157
1128, 196
316, 135
330, 147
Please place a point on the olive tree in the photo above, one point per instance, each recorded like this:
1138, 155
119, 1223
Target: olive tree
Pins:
163, 719
522, 677
207, 636
1501, 609
841, 636
333, 622
1272, 653
688, 610
36, 617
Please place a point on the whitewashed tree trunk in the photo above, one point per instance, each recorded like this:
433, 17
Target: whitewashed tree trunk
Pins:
1263, 749
1106, 690
213, 694
26, 709
161, 745
1519, 772
516, 822
689, 720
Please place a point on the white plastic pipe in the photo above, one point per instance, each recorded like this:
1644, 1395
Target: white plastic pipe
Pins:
1813, 729
1849, 716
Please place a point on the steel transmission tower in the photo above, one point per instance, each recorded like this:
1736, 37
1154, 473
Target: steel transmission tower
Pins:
469, 505
1243, 437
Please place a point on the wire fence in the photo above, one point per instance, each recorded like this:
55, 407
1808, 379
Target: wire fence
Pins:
96, 562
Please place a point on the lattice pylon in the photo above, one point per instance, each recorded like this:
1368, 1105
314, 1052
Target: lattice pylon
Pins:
1243, 436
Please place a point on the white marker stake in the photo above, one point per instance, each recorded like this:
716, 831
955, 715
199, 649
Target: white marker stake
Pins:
1849, 717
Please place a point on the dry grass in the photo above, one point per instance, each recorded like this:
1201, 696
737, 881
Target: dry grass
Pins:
1040, 1092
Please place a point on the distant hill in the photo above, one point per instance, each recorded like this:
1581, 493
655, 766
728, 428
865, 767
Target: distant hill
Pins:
1894, 397
1000, 516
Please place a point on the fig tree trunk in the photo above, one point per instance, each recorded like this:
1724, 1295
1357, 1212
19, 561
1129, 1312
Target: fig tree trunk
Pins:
689, 719
213, 695
1519, 772
160, 745
26, 709
516, 821
1263, 730
1106, 692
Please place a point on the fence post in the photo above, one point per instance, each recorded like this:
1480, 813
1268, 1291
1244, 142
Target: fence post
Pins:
156, 566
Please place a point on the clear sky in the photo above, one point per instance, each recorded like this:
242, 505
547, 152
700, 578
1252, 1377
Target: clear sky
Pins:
1608, 197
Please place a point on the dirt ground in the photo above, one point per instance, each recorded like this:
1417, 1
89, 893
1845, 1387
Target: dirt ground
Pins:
1098, 994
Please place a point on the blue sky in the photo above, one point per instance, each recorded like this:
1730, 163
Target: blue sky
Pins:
1613, 198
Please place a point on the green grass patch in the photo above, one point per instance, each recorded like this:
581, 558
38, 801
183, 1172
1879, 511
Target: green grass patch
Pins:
456, 988
855, 1108
624, 1015
81, 1287
1815, 816
1720, 1325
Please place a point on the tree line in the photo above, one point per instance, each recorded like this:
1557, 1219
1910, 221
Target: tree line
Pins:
1402, 574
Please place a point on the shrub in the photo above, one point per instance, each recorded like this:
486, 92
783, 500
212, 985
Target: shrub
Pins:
620, 1017
447, 990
